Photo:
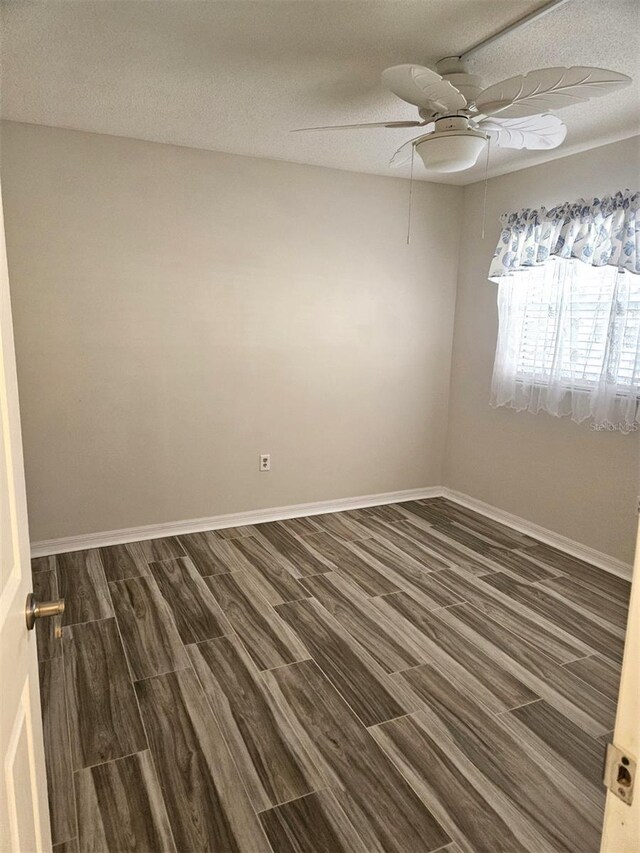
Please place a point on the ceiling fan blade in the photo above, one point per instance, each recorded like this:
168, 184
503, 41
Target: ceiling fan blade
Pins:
403, 154
548, 89
424, 88
356, 126
533, 132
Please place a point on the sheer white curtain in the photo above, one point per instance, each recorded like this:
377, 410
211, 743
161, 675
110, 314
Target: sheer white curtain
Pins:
569, 343
569, 316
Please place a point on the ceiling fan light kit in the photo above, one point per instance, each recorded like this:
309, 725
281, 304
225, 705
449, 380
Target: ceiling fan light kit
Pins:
459, 117
452, 147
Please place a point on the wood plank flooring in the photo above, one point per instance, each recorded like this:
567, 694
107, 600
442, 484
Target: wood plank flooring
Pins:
399, 679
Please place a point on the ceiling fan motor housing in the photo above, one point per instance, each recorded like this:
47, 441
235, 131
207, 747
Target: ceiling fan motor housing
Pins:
453, 147
455, 71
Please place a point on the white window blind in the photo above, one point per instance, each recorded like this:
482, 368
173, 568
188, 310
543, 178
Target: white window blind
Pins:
569, 342
591, 342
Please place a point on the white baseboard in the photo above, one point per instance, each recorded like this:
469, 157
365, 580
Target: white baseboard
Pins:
259, 516
215, 522
549, 537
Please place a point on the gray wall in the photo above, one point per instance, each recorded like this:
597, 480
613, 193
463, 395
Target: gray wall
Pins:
551, 471
177, 312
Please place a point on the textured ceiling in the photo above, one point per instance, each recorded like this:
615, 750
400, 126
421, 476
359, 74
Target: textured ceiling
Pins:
237, 76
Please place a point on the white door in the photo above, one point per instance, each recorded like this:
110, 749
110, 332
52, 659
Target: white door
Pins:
621, 830
24, 814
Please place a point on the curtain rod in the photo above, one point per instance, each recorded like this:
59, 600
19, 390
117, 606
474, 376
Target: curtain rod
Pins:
532, 16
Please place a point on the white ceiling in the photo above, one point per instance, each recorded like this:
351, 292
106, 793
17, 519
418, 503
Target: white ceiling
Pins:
237, 75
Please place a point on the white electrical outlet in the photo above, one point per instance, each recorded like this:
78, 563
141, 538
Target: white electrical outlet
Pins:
265, 461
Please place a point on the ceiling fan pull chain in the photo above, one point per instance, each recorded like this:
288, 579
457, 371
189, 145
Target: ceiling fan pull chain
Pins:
486, 184
413, 151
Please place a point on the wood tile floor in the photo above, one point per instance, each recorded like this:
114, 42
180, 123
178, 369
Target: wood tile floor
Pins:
404, 678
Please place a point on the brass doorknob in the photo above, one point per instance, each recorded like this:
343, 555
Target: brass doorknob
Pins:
39, 609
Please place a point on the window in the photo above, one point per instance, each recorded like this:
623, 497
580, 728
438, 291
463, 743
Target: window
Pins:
569, 341
593, 306
569, 310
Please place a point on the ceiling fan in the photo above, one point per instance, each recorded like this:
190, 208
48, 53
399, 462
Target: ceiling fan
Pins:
459, 118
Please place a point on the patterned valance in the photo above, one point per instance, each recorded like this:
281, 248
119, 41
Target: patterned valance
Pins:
598, 232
